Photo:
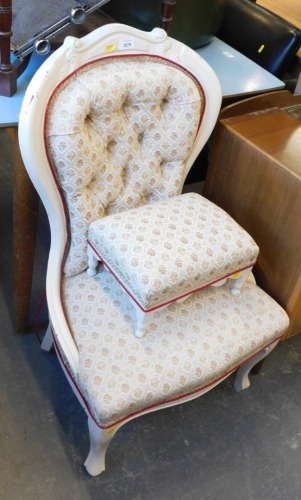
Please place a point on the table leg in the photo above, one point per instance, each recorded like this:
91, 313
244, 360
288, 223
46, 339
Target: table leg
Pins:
8, 73
25, 203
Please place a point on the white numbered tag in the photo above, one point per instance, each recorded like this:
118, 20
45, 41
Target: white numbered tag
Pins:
126, 43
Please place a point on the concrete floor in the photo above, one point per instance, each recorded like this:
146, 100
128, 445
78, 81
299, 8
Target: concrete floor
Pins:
222, 446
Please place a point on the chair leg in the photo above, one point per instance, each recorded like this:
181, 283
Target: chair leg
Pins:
242, 376
257, 368
143, 321
47, 342
92, 262
237, 282
99, 442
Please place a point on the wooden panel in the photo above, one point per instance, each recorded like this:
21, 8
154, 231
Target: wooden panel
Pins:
278, 99
274, 132
250, 177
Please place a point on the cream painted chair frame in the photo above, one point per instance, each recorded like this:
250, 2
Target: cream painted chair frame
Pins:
117, 39
70, 56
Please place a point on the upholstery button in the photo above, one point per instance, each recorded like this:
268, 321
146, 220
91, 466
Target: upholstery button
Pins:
111, 144
164, 101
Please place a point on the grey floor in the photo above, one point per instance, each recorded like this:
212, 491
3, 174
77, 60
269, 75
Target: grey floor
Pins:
222, 446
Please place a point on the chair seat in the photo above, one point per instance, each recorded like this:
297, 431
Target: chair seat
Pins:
191, 344
164, 251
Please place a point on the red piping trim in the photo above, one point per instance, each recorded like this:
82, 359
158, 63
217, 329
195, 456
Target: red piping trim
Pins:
156, 405
169, 301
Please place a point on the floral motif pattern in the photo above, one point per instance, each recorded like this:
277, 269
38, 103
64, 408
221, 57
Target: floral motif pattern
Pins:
171, 248
119, 132
190, 344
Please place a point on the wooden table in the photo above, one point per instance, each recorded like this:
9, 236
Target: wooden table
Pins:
25, 203
255, 175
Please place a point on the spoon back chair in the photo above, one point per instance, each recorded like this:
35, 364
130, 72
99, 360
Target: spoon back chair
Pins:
110, 123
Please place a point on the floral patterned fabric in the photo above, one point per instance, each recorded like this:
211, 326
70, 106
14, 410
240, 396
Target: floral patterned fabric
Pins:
190, 345
118, 133
166, 250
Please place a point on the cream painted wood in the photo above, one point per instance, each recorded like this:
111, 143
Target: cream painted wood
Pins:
47, 342
101, 438
242, 380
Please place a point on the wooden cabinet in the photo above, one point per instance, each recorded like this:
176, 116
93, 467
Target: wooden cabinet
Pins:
255, 175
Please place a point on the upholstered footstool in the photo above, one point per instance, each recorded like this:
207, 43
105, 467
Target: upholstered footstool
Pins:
165, 251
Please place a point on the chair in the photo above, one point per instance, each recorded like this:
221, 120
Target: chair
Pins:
262, 36
110, 123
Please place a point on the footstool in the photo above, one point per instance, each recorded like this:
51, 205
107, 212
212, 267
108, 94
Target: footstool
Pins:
165, 251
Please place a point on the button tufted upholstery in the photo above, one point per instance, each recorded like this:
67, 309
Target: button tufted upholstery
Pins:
118, 133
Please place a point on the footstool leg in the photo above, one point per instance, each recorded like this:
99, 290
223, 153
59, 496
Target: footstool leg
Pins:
142, 319
92, 262
237, 283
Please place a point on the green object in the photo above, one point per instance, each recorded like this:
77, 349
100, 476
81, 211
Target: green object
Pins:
195, 22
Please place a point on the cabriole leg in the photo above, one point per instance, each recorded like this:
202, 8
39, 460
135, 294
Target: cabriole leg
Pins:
99, 442
242, 376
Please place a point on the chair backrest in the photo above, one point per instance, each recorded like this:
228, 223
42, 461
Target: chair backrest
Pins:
262, 36
109, 122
